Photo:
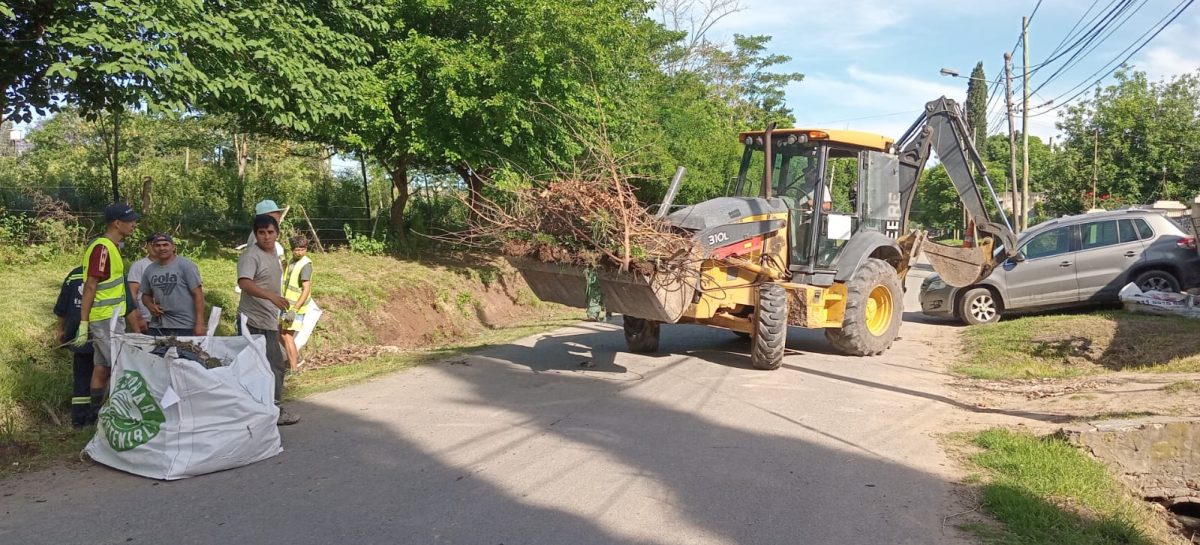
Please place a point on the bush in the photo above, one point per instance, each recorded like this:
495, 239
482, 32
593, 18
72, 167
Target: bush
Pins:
363, 244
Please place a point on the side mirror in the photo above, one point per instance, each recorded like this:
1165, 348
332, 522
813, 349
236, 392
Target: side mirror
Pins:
1019, 257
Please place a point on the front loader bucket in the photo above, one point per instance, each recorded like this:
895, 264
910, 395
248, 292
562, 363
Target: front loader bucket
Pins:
554, 283
960, 266
662, 297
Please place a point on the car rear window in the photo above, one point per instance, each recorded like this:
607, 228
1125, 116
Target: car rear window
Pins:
1143, 228
1098, 233
1127, 230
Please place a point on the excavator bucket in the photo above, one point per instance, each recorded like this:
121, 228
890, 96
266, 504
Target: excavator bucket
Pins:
959, 266
661, 296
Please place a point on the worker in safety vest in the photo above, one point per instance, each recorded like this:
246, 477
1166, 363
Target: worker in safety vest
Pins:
104, 294
297, 289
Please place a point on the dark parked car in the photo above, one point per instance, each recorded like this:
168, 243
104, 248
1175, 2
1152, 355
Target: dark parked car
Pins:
1074, 261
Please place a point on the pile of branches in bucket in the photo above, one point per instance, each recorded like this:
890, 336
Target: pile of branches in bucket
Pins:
591, 219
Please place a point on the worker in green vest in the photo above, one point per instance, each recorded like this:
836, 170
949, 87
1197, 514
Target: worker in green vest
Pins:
297, 289
104, 294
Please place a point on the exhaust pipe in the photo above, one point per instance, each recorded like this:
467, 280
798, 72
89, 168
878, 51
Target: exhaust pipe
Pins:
768, 167
673, 190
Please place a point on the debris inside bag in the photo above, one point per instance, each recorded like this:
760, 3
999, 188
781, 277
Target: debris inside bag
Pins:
186, 350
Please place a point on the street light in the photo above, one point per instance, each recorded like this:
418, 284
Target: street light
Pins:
954, 74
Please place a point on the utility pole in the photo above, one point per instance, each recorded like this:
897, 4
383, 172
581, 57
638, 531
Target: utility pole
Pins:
1012, 142
1095, 162
1025, 127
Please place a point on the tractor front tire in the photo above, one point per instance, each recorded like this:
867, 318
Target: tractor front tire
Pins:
770, 327
641, 335
874, 308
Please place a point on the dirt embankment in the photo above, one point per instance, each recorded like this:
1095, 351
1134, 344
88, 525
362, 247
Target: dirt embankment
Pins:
454, 301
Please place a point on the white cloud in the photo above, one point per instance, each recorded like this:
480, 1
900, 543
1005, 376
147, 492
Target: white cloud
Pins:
864, 100
1175, 51
840, 26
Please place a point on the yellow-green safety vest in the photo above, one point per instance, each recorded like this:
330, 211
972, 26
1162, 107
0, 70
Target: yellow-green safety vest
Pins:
292, 287
110, 292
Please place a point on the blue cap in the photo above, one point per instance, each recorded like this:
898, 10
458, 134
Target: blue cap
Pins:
266, 207
119, 211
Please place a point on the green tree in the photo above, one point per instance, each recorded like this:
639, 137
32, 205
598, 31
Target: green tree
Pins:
283, 66
976, 105
936, 205
1137, 137
744, 80
470, 85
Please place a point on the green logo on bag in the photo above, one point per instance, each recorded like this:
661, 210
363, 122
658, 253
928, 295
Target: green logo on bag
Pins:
131, 417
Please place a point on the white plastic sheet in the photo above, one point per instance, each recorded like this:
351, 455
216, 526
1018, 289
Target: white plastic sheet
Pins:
170, 418
310, 322
1158, 302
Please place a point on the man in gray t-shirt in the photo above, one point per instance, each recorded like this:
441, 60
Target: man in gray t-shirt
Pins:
172, 291
134, 275
260, 275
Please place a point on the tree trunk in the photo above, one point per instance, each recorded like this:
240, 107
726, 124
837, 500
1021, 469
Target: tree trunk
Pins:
474, 180
112, 143
147, 188
362, 161
400, 183
240, 148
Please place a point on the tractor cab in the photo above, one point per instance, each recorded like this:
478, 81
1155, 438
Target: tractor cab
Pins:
834, 185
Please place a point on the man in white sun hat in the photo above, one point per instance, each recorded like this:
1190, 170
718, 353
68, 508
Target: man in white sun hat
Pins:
269, 208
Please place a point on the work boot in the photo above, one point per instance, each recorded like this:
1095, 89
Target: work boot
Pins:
286, 418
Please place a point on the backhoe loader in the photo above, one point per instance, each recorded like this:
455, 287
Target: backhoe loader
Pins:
812, 234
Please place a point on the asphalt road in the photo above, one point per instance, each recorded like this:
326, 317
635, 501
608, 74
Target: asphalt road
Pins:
563, 439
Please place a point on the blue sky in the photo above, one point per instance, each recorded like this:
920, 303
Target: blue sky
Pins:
871, 64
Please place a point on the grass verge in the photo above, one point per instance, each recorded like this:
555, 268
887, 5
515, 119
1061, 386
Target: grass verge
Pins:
46, 446
1068, 345
1045, 491
430, 307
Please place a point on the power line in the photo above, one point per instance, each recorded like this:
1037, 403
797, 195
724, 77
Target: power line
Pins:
1090, 35
1076, 58
996, 82
1179, 9
1071, 32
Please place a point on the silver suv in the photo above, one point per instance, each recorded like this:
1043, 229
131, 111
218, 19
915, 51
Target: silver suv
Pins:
1074, 261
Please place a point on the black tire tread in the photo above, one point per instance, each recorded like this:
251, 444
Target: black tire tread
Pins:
1141, 277
769, 335
964, 306
853, 338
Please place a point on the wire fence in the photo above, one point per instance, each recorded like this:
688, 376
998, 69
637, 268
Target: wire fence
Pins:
75, 214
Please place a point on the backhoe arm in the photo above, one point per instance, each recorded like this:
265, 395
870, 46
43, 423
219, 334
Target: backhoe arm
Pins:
941, 129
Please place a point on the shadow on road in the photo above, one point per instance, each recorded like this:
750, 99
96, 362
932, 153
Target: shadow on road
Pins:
502, 449
523, 445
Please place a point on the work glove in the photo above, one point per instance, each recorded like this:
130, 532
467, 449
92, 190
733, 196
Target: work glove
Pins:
81, 335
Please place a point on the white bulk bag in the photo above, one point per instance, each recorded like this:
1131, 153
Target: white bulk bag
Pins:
169, 418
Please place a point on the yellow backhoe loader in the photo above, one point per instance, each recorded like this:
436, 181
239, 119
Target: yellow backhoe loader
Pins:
813, 234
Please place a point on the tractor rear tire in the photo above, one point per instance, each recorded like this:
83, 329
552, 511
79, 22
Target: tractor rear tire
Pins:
769, 335
874, 310
641, 335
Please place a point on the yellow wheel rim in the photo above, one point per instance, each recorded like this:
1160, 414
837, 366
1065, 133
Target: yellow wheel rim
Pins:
879, 310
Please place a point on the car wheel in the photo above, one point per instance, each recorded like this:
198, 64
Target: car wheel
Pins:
1157, 281
979, 306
